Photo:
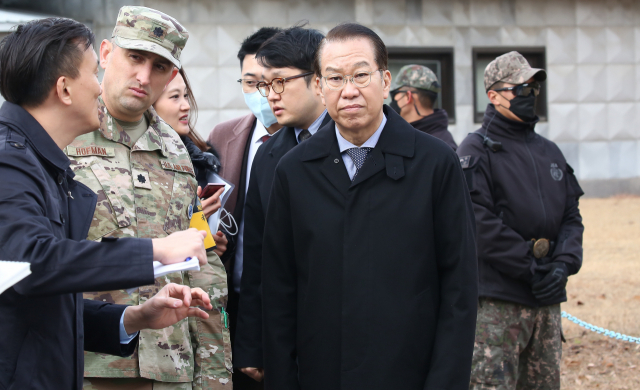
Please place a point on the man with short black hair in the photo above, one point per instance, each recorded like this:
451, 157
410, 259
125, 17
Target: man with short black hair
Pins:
343, 309
525, 197
237, 141
52, 97
288, 61
413, 95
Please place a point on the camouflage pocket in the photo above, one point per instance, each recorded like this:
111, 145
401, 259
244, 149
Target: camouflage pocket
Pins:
110, 214
182, 196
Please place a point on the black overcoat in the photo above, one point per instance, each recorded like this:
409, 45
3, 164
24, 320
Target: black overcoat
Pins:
44, 323
370, 284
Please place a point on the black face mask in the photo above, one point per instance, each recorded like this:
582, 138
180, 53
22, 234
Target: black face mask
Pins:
394, 106
524, 107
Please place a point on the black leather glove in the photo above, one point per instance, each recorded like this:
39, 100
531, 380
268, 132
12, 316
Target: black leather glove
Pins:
550, 281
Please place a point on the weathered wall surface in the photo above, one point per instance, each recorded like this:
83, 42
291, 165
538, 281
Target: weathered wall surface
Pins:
592, 54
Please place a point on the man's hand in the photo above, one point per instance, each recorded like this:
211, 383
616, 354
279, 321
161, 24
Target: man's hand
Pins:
170, 305
221, 243
256, 374
552, 283
178, 246
212, 203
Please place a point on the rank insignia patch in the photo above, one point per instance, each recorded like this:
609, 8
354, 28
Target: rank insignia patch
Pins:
141, 179
464, 161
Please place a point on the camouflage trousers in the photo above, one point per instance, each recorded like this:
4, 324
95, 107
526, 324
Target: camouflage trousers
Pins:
132, 384
516, 347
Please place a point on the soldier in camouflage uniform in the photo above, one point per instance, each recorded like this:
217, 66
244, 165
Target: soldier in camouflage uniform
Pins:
146, 187
414, 92
529, 234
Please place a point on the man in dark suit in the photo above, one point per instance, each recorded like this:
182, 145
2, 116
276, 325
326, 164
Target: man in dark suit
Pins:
344, 309
237, 141
45, 215
288, 60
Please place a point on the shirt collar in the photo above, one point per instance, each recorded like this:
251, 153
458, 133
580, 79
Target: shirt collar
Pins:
314, 126
150, 140
259, 132
343, 144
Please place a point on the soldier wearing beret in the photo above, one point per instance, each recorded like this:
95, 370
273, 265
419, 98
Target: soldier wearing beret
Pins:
529, 233
146, 187
413, 94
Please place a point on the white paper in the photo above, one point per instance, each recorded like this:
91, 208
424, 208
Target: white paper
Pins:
192, 264
11, 272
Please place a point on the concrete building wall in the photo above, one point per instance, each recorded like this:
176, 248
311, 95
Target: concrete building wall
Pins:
592, 59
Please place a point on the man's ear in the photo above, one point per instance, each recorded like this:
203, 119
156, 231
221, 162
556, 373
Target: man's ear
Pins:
493, 97
410, 97
386, 83
106, 49
320, 90
63, 90
174, 73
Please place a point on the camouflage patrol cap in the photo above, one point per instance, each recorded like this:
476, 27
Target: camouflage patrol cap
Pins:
511, 68
141, 28
416, 76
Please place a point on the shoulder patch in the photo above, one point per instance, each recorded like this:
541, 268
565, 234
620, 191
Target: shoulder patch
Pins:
465, 161
76, 151
176, 167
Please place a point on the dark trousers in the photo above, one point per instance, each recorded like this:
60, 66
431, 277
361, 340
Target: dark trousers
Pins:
240, 380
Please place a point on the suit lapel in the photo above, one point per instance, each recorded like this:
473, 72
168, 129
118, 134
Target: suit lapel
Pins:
373, 165
242, 183
284, 143
397, 141
334, 170
325, 145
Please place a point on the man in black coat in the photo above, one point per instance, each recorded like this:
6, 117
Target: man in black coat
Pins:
344, 309
52, 97
298, 108
525, 198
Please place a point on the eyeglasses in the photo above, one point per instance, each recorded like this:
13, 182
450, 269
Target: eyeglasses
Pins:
248, 85
336, 81
523, 89
277, 84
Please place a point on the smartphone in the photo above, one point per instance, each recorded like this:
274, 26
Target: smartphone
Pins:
211, 189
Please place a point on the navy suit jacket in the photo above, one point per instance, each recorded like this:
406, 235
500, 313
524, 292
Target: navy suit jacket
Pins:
44, 219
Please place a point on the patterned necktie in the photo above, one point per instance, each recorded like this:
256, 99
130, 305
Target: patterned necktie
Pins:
265, 138
304, 135
358, 156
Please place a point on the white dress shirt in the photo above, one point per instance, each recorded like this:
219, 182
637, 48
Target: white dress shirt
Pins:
256, 141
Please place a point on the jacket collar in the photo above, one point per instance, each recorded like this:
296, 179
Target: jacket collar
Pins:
434, 123
38, 137
396, 142
151, 140
397, 138
496, 123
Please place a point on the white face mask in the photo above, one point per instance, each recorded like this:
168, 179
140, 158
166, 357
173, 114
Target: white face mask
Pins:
259, 106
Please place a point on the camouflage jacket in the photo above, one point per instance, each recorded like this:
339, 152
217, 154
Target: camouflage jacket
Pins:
149, 190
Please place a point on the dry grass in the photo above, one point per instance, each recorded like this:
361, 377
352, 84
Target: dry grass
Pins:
606, 293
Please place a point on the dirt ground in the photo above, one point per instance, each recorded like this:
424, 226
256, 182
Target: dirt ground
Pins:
606, 293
